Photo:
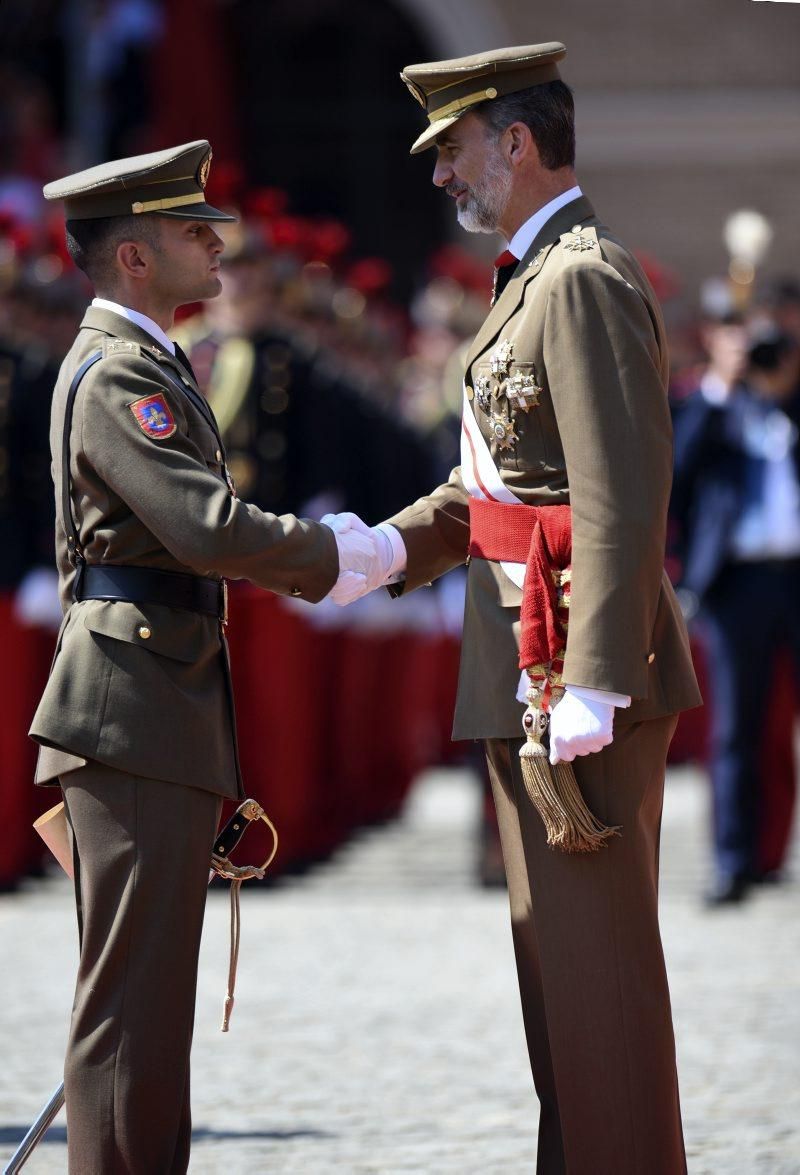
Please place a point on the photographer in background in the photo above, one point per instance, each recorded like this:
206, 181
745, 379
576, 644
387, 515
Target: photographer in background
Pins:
736, 498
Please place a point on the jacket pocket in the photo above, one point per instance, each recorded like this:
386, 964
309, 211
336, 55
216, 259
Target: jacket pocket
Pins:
170, 632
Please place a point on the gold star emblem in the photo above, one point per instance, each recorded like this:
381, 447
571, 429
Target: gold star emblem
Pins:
502, 431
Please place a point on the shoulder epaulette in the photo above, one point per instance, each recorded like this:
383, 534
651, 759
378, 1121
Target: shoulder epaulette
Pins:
120, 347
581, 240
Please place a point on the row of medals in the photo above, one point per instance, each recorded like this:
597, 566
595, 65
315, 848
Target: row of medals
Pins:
521, 392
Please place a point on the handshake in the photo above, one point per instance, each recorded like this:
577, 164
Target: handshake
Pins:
369, 556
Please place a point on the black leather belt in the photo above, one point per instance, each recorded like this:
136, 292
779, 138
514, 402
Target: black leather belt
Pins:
147, 585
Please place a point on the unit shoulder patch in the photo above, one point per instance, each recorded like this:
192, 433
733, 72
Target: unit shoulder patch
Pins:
153, 416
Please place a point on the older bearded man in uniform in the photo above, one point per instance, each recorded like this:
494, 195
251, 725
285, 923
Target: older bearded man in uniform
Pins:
136, 722
566, 437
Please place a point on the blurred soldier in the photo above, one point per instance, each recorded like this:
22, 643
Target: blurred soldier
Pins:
737, 500
136, 722
566, 446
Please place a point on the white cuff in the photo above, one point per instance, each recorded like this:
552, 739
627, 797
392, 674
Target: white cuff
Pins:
622, 701
399, 555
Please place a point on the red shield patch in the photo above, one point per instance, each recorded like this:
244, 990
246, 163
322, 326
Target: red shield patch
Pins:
154, 417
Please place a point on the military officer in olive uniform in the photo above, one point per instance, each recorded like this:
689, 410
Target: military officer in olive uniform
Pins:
565, 402
136, 722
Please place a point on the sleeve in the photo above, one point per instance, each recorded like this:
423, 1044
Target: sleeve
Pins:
435, 532
167, 484
605, 374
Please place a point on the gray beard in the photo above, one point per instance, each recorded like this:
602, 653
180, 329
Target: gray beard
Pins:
486, 200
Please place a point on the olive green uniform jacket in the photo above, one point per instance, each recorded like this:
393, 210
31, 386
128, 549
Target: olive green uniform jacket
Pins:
583, 320
156, 705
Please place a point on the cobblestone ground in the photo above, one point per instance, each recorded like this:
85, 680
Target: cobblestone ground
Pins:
377, 1026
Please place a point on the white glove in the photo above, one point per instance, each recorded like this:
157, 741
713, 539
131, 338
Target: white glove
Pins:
384, 565
579, 725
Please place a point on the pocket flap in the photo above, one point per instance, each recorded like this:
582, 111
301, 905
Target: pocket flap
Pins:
171, 632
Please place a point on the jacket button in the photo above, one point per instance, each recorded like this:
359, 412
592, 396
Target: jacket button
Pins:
297, 591
470, 393
144, 632
651, 659
218, 455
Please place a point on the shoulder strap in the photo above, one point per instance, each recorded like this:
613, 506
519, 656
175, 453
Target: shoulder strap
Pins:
67, 517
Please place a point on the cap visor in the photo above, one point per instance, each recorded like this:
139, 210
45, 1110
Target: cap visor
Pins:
431, 133
198, 212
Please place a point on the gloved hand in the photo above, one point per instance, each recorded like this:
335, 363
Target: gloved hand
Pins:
386, 560
579, 726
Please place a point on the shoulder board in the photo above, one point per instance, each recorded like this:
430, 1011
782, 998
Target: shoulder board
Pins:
579, 241
120, 347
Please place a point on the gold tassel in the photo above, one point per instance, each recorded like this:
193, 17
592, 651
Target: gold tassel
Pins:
554, 791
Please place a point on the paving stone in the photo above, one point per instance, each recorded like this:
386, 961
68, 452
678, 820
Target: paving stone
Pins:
377, 1028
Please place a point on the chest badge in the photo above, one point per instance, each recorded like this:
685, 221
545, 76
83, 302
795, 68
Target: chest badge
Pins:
501, 358
502, 431
483, 393
154, 417
523, 391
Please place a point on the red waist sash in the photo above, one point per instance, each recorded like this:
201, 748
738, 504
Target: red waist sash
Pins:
541, 538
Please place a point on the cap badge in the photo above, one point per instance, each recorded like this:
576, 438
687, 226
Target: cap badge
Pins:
154, 417
205, 167
501, 358
502, 431
523, 391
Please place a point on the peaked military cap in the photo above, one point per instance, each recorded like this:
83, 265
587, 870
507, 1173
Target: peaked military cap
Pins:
447, 89
170, 182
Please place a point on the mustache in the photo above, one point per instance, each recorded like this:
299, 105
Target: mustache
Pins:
455, 189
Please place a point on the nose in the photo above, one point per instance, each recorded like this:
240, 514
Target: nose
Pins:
442, 173
217, 243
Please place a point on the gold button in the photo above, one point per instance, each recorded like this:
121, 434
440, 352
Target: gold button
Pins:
651, 659
470, 392
218, 455
297, 591
491, 92
144, 632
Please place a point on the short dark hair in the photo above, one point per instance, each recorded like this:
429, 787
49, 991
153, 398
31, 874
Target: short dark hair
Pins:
548, 111
92, 244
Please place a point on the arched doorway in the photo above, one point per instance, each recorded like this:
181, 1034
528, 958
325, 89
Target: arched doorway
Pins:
325, 116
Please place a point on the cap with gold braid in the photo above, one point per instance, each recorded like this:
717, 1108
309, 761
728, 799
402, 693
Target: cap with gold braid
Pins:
447, 89
170, 182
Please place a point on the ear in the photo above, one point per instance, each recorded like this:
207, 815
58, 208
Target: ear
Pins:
520, 145
133, 258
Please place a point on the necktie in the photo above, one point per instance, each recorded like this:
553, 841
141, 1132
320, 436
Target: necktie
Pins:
182, 358
504, 266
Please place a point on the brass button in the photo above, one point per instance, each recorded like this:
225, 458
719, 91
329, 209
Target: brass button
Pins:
470, 392
144, 632
218, 455
651, 659
576, 228
297, 591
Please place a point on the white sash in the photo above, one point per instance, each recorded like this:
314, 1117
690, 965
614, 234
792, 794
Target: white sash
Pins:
481, 477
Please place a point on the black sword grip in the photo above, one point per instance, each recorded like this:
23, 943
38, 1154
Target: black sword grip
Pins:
227, 840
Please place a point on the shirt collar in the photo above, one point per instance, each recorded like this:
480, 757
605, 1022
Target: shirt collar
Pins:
524, 237
139, 319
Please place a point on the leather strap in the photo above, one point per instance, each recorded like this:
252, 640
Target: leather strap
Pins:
148, 585
67, 517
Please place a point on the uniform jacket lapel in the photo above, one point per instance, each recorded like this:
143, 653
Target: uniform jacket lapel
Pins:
576, 211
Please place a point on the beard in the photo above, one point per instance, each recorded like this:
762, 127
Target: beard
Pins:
485, 202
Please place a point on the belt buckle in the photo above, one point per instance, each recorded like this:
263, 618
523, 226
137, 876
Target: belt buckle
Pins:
224, 617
